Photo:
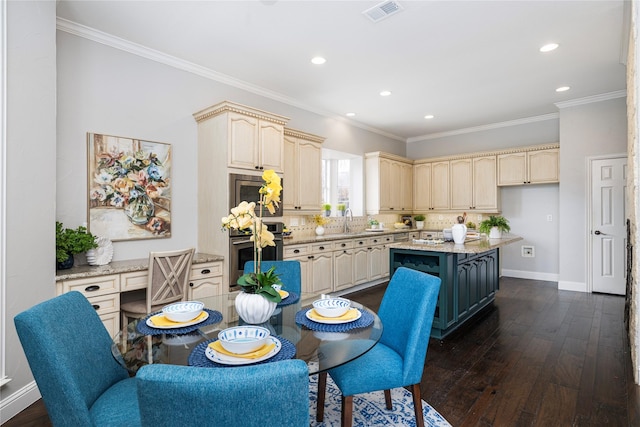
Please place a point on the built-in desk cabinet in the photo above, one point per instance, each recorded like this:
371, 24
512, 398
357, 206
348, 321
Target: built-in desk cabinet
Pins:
104, 292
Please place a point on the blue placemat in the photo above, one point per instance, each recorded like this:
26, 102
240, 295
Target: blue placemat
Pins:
291, 299
198, 358
365, 320
142, 327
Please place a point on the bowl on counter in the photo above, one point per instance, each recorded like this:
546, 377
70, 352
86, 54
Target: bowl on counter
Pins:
243, 339
331, 307
183, 311
447, 234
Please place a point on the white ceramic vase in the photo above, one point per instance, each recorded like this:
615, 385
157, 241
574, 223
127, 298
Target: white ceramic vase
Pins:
459, 233
419, 225
319, 230
495, 233
254, 308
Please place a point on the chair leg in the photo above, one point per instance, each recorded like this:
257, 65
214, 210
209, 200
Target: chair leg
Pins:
417, 405
387, 399
322, 386
347, 411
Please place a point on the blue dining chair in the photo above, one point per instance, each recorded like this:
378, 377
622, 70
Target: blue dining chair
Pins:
69, 352
397, 360
288, 271
269, 394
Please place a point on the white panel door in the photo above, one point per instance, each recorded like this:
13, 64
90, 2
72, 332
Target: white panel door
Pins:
608, 233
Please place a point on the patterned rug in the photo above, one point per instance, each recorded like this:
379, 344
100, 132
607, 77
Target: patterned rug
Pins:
369, 408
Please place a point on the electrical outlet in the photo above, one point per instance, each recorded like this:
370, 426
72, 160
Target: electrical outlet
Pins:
293, 222
479, 217
528, 251
549, 218
440, 217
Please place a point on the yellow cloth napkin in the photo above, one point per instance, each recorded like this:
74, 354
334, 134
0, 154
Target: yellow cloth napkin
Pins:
351, 314
217, 346
161, 320
283, 294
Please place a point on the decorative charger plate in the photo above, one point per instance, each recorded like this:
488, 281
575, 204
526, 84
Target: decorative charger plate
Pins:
329, 321
195, 321
224, 359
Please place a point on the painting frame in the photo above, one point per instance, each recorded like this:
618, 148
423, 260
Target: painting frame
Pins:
128, 187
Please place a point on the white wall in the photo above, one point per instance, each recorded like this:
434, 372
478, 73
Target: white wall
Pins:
592, 129
30, 180
105, 90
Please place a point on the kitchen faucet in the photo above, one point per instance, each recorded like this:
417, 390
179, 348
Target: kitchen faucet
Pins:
348, 215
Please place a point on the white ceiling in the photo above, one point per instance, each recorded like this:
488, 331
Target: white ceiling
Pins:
469, 63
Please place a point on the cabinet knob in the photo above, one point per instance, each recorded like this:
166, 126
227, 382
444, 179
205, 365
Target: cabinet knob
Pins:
257, 167
310, 257
96, 307
205, 271
296, 251
191, 284
321, 248
343, 245
92, 288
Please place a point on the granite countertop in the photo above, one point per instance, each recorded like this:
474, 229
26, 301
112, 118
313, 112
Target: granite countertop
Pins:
127, 266
471, 246
299, 240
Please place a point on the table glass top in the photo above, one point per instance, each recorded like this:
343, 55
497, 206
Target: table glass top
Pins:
322, 349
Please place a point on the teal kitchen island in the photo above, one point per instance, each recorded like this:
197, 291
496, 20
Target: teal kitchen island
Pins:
469, 272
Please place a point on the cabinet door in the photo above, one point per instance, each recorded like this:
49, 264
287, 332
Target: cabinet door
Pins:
422, 187
309, 173
343, 269
385, 185
544, 166
322, 270
512, 169
360, 264
463, 290
305, 272
375, 262
440, 185
406, 187
204, 288
243, 141
461, 184
290, 187
485, 187
394, 186
270, 137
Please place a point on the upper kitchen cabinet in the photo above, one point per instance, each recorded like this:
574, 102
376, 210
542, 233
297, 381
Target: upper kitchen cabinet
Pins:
302, 184
254, 138
389, 183
529, 165
473, 184
431, 186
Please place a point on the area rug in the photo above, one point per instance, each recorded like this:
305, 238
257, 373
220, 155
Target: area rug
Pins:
369, 409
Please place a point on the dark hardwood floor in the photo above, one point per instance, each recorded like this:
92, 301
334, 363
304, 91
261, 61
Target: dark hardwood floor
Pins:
537, 357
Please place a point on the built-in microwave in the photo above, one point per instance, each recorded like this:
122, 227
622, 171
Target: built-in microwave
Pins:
246, 188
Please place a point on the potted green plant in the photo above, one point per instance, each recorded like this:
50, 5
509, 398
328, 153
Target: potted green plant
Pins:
70, 242
327, 209
341, 208
495, 226
419, 221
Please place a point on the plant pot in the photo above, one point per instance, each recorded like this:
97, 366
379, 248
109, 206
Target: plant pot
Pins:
327, 213
419, 225
495, 233
254, 308
319, 230
66, 264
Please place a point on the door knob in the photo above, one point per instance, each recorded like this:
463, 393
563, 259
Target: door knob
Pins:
597, 232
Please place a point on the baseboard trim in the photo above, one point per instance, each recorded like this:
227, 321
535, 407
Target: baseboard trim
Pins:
534, 275
18, 401
564, 285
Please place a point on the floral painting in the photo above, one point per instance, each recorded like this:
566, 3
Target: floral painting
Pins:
129, 188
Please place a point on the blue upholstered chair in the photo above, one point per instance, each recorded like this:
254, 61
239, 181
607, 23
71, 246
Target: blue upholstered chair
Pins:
69, 352
397, 360
270, 394
288, 271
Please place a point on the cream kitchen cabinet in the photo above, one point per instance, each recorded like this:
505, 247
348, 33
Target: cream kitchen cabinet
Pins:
389, 183
342, 265
529, 166
316, 265
473, 184
302, 186
255, 144
431, 186
205, 281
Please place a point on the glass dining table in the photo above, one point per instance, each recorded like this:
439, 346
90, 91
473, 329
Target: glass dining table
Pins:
321, 346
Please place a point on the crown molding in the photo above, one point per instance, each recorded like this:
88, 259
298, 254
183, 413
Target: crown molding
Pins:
163, 58
591, 99
533, 119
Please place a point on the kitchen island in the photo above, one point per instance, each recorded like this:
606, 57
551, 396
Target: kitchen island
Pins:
469, 272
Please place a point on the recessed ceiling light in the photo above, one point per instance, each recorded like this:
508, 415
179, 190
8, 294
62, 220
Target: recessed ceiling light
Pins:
563, 89
318, 60
429, 116
350, 114
385, 93
549, 47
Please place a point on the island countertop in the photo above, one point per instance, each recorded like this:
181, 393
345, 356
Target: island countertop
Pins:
471, 246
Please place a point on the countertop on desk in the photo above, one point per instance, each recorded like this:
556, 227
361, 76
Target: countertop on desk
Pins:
126, 266
476, 246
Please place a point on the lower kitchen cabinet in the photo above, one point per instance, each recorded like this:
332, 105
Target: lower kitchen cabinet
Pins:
469, 283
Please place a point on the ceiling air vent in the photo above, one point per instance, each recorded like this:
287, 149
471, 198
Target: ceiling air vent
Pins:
383, 10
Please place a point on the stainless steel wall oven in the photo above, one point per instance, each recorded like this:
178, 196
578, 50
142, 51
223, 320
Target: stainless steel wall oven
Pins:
246, 188
241, 251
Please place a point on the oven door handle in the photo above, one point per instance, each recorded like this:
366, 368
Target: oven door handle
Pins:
241, 242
